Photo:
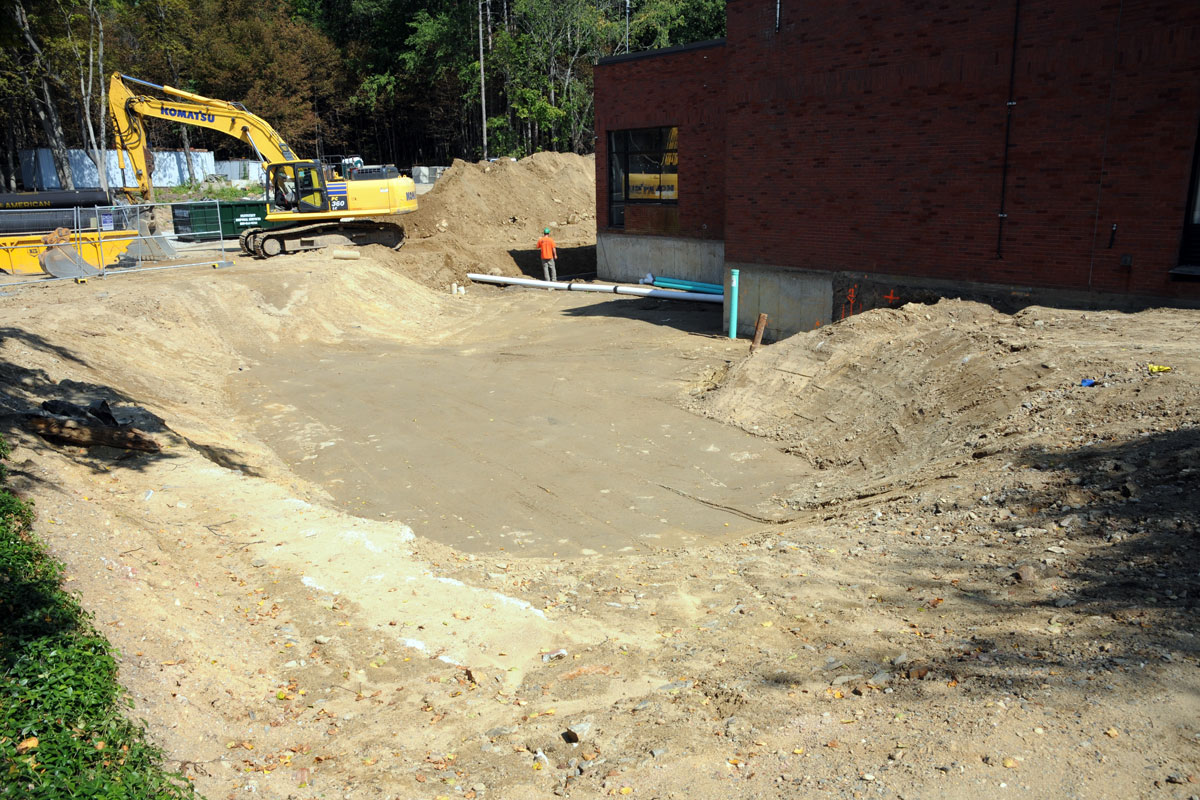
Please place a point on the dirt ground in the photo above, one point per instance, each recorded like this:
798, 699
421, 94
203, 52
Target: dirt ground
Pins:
401, 543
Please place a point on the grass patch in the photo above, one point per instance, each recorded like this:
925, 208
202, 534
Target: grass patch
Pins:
207, 190
62, 730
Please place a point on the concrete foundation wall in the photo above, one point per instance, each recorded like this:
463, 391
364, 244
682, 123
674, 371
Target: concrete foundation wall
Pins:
800, 300
793, 301
625, 258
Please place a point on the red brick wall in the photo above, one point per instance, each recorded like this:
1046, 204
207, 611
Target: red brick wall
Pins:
685, 89
869, 136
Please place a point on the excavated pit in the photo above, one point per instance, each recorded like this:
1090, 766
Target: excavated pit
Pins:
546, 443
910, 546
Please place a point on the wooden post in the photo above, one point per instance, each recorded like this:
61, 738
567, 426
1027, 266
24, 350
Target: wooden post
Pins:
759, 327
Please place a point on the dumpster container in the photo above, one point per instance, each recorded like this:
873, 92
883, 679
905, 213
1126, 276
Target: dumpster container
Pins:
204, 222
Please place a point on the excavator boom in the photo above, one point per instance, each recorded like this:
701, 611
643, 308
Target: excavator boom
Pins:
129, 110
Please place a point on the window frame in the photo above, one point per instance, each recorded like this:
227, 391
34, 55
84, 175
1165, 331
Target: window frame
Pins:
1189, 246
621, 151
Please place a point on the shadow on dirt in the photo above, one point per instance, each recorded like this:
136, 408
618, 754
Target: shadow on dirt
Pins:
223, 457
1140, 521
580, 263
1107, 564
25, 392
698, 318
572, 262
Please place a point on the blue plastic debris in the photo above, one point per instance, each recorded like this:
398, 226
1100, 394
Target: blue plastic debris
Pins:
1087, 382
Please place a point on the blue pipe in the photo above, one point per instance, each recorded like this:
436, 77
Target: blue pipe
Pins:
703, 288
690, 284
695, 284
733, 298
693, 287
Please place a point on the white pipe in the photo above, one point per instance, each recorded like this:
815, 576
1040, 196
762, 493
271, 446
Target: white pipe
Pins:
611, 288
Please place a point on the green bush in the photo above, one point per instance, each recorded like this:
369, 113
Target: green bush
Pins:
206, 190
58, 686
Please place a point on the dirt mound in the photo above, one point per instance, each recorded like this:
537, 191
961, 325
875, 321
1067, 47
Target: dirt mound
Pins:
487, 217
508, 201
883, 390
174, 347
897, 390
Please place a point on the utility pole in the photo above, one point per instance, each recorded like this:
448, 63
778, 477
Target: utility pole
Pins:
482, 88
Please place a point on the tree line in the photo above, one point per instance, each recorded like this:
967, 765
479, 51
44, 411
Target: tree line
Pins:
395, 81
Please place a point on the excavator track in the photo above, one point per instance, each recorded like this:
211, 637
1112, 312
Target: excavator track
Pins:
319, 235
246, 240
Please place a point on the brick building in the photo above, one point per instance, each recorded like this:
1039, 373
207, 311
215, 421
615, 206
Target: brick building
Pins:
849, 155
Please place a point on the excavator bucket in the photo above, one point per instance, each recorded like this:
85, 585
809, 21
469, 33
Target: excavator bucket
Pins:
150, 245
64, 261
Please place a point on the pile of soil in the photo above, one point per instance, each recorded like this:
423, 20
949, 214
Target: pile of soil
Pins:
481, 202
895, 393
487, 216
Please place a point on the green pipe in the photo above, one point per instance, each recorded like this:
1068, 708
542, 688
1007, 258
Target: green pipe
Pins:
733, 298
703, 288
695, 284
687, 283
691, 284
672, 284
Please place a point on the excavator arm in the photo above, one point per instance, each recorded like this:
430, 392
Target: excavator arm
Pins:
311, 208
129, 112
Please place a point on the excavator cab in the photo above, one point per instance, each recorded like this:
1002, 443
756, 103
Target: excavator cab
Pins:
298, 187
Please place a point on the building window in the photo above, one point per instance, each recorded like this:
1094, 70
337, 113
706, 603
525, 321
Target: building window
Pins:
1189, 255
643, 167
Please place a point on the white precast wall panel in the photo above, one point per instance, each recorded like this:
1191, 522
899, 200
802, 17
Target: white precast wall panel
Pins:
170, 169
240, 170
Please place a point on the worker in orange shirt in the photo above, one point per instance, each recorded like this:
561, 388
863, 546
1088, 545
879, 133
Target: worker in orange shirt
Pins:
549, 251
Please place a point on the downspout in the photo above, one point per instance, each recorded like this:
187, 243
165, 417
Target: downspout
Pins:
1012, 80
1112, 87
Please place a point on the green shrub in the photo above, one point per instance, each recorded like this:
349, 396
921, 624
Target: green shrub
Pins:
58, 686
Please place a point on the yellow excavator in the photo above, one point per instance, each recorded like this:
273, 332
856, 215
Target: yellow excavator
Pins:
317, 205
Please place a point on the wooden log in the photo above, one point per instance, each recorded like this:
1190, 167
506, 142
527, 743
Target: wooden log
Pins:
90, 434
759, 327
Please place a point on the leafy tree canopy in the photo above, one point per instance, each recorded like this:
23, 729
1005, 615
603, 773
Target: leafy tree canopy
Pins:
392, 80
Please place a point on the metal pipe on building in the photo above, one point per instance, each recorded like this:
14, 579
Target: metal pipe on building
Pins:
1008, 116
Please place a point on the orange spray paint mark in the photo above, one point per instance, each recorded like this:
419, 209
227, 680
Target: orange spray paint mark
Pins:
851, 299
